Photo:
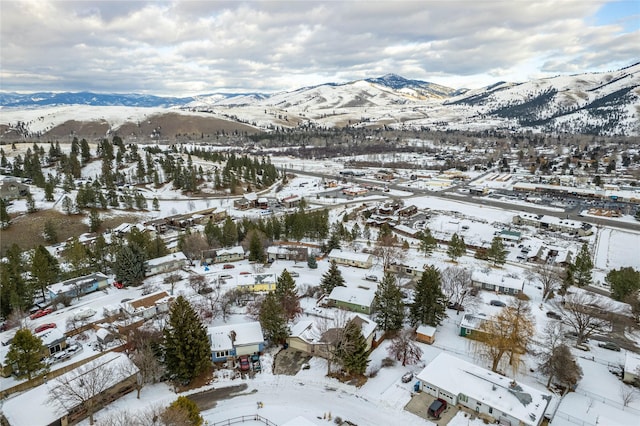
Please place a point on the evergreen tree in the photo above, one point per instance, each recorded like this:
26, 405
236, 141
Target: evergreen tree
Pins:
387, 305
427, 242
497, 253
581, 269
273, 319
637, 216
352, 350
229, 235
312, 263
4, 215
31, 203
332, 278
623, 282
429, 302
129, 266
457, 247
187, 353
287, 294
184, 412
334, 242
156, 203
256, 249
94, 220
50, 232
25, 353
44, 269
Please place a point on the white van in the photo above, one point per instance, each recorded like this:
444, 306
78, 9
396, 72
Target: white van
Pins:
371, 278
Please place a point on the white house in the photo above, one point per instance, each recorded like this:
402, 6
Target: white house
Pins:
492, 396
232, 340
350, 258
168, 263
494, 281
231, 254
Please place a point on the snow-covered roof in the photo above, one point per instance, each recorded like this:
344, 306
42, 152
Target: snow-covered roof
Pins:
349, 255
50, 336
496, 279
168, 258
406, 229
230, 251
631, 362
426, 330
473, 321
62, 286
353, 295
251, 196
246, 334
33, 408
457, 376
251, 279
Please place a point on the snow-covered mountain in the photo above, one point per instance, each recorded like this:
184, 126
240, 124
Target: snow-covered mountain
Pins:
596, 103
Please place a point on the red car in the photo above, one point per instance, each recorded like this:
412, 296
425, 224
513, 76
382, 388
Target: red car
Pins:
118, 284
44, 327
40, 313
228, 266
244, 363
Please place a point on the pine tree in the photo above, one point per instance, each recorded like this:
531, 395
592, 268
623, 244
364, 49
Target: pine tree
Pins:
428, 303
332, 278
427, 242
287, 294
256, 249
45, 269
229, 233
4, 215
457, 247
582, 267
388, 306
94, 220
352, 350
273, 319
25, 353
186, 346
312, 263
497, 253
129, 265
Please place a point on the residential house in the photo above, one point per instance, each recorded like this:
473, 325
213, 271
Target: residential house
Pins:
232, 254
12, 188
349, 258
354, 191
168, 263
76, 287
242, 204
287, 252
471, 323
291, 201
33, 407
257, 283
315, 336
355, 299
491, 396
149, 306
499, 283
233, 340
426, 334
509, 236
408, 211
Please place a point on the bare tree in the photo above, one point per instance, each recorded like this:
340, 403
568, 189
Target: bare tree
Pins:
150, 367
456, 285
388, 251
87, 386
550, 279
585, 313
193, 245
628, 394
198, 283
404, 348
172, 280
562, 366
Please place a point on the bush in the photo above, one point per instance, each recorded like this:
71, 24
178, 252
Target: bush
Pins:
388, 362
185, 409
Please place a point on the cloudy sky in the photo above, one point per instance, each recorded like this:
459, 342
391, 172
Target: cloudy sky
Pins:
184, 48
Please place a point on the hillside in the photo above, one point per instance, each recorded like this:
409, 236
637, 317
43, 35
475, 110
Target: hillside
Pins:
592, 103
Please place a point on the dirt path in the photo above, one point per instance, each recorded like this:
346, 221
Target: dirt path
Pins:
208, 399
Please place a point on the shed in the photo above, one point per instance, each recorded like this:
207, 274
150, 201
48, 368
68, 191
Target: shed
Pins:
426, 334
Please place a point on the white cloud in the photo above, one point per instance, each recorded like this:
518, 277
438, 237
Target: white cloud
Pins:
189, 47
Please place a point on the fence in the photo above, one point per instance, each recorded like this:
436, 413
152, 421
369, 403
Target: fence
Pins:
607, 401
572, 419
242, 419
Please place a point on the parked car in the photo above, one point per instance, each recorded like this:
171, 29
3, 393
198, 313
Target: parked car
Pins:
225, 276
118, 284
371, 278
437, 407
228, 266
293, 274
84, 314
44, 327
244, 363
40, 313
554, 315
610, 345
245, 273
497, 303
583, 347
406, 377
